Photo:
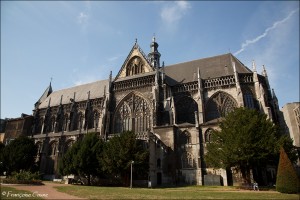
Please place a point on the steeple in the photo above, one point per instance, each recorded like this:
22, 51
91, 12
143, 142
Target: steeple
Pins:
253, 66
154, 55
264, 72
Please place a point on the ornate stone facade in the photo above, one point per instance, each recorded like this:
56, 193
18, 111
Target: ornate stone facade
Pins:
172, 108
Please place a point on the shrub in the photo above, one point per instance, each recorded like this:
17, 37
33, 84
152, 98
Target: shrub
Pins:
287, 178
23, 177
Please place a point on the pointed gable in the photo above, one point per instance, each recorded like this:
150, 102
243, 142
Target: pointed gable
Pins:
136, 63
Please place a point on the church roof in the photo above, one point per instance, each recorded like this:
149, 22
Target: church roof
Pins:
81, 93
211, 67
44, 95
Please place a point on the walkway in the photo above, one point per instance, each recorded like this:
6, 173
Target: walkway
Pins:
46, 191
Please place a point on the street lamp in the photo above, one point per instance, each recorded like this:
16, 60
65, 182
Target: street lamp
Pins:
131, 163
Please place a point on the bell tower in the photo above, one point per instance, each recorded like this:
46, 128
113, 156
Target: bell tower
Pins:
154, 55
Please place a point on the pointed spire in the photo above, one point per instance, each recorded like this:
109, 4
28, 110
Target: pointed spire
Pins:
89, 92
154, 55
61, 99
264, 72
253, 66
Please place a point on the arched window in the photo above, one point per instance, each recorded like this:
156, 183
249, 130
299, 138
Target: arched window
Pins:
185, 138
248, 99
135, 66
219, 105
52, 149
185, 110
207, 135
40, 147
187, 160
132, 114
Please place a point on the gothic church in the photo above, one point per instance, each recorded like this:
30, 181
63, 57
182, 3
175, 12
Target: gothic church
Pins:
172, 108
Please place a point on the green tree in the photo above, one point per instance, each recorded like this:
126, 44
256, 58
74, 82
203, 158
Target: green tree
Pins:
246, 139
287, 179
66, 164
81, 158
1, 158
118, 153
20, 154
86, 159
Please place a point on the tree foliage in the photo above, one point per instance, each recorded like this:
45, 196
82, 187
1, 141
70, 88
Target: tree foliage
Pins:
246, 138
287, 178
19, 154
120, 151
81, 158
94, 157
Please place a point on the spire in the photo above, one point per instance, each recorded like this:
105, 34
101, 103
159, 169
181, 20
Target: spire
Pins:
154, 55
253, 66
264, 72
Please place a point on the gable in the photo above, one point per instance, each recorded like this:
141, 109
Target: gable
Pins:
136, 63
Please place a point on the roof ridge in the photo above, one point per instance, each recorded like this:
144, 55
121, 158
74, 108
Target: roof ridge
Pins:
84, 84
198, 59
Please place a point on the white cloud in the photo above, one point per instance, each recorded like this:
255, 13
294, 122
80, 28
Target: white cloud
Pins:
274, 26
82, 18
174, 12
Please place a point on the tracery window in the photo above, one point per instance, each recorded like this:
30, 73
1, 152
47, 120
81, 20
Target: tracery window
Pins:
52, 149
219, 105
248, 99
185, 138
185, 110
208, 135
132, 114
187, 160
135, 66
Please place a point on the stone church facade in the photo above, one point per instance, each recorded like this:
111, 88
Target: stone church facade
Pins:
172, 108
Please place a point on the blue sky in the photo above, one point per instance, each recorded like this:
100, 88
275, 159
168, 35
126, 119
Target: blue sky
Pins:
76, 42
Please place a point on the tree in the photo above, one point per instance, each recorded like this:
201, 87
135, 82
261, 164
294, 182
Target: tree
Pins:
19, 154
246, 139
118, 153
287, 178
86, 159
1, 158
81, 158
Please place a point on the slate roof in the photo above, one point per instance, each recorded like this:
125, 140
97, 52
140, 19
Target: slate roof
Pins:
81, 93
211, 67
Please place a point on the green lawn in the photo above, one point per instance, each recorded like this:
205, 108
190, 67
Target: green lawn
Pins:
191, 192
12, 193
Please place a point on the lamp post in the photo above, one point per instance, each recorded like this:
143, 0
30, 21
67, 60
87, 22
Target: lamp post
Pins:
131, 163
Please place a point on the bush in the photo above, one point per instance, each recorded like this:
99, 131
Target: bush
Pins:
287, 178
26, 175
15, 181
23, 177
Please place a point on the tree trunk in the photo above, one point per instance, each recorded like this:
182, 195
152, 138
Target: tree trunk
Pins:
89, 179
245, 170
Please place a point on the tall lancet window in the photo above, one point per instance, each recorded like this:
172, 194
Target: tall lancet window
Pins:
132, 114
248, 99
135, 66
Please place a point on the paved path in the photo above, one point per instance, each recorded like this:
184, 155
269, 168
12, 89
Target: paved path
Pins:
46, 191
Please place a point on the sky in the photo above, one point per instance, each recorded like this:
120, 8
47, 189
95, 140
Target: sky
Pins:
76, 42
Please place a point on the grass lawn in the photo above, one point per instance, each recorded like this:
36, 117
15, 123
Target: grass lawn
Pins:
12, 193
190, 192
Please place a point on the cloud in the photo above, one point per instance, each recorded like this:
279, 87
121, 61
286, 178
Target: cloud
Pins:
274, 26
82, 18
174, 12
